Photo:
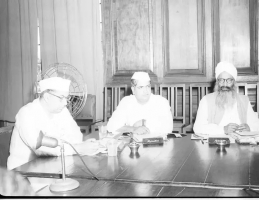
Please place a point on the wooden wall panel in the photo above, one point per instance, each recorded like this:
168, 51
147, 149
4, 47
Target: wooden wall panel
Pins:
132, 35
179, 40
235, 36
183, 35
234, 32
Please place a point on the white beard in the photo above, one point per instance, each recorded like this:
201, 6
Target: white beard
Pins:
225, 98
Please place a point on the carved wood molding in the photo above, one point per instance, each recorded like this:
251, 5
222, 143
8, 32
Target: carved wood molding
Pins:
122, 66
201, 71
253, 26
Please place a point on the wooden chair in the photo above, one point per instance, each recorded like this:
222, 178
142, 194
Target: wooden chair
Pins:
202, 90
253, 95
252, 91
154, 88
87, 117
242, 88
5, 138
175, 94
112, 96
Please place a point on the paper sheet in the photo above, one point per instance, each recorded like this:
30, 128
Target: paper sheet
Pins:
39, 183
249, 133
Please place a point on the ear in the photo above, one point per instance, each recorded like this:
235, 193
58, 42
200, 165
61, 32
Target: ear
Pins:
133, 90
46, 96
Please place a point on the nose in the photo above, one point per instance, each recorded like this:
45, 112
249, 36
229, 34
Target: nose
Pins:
225, 83
146, 89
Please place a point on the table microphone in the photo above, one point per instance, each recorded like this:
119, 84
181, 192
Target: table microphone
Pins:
63, 184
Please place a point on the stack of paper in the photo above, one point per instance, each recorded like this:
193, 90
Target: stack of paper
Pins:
246, 137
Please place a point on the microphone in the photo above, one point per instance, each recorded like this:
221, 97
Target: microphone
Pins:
63, 184
46, 141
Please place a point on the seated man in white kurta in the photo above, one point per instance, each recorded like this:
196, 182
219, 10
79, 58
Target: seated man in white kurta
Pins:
225, 111
142, 112
47, 114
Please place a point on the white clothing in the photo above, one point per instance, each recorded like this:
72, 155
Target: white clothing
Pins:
202, 126
156, 112
30, 120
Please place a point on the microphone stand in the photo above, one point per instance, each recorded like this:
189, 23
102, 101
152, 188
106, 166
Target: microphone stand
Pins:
63, 184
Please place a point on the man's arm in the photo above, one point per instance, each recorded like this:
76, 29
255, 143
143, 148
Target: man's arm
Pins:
118, 118
29, 132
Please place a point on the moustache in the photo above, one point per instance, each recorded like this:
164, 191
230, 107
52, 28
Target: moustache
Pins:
225, 88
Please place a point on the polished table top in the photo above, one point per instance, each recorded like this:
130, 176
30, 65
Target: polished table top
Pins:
178, 162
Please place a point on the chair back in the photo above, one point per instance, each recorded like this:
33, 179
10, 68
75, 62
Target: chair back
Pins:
196, 92
112, 96
252, 91
87, 116
175, 94
242, 88
253, 95
5, 139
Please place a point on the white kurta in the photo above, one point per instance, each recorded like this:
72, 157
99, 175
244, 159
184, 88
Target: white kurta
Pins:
202, 126
156, 112
30, 120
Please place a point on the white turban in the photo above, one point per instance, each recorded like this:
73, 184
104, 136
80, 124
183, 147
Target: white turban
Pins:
226, 67
142, 76
54, 83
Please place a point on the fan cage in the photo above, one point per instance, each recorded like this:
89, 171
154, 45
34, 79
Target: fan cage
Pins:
77, 90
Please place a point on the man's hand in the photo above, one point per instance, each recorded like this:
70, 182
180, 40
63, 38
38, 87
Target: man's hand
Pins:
141, 130
243, 127
230, 128
89, 147
139, 123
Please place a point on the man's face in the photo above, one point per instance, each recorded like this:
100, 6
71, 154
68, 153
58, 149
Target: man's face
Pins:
57, 100
142, 91
225, 81
225, 87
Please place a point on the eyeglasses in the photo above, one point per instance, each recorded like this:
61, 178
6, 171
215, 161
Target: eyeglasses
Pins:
222, 80
142, 87
68, 98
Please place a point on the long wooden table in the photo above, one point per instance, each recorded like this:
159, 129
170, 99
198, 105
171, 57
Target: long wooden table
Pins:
179, 163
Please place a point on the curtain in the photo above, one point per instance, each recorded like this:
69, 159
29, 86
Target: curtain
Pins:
18, 55
70, 33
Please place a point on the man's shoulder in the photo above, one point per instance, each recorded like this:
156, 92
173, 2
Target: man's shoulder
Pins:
159, 99
29, 108
210, 95
243, 97
128, 98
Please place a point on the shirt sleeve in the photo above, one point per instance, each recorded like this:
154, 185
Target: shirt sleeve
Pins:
119, 117
72, 131
161, 122
252, 119
29, 133
202, 125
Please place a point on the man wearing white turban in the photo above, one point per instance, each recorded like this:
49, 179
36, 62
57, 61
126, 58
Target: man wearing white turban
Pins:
225, 111
47, 114
142, 113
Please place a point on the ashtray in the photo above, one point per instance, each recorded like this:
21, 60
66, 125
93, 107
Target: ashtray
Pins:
221, 144
133, 147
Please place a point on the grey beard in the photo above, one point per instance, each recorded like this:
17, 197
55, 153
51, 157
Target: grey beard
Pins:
225, 98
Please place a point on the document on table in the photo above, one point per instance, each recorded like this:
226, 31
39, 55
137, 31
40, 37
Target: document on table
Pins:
39, 183
248, 133
207, 136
